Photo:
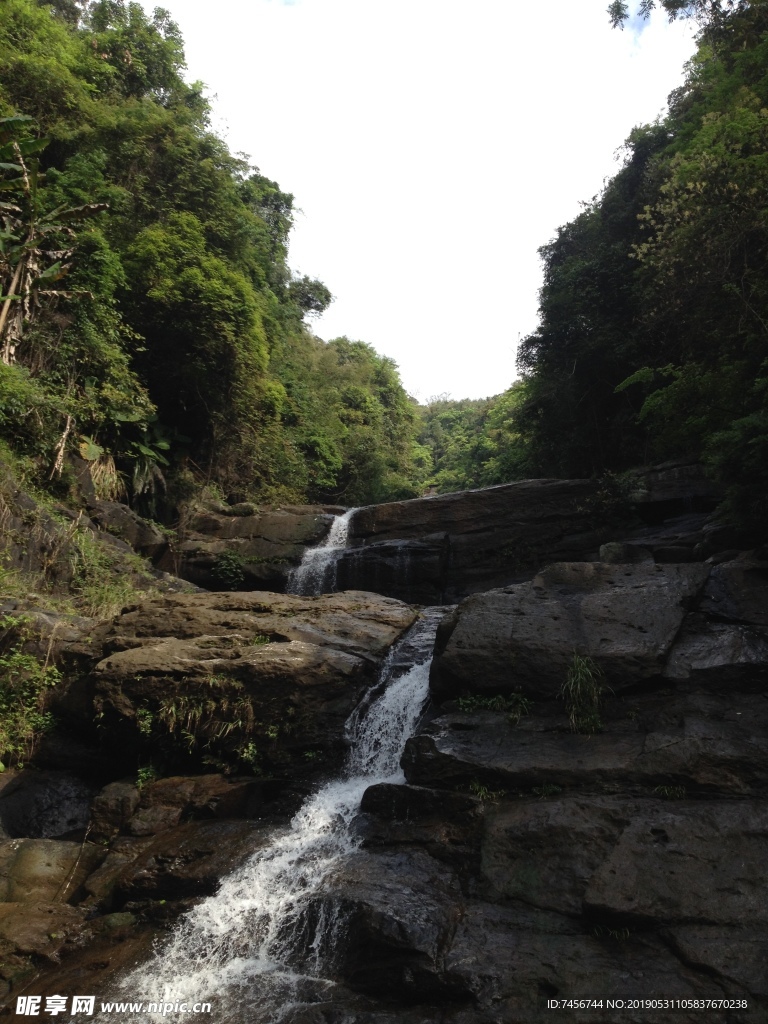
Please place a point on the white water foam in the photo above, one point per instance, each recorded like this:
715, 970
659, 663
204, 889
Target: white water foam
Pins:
245, 949
317, 572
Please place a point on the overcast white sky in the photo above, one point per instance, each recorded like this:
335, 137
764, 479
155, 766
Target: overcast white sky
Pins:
432, 146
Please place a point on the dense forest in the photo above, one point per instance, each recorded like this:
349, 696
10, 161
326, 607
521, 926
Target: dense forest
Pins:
150, 321
653, 335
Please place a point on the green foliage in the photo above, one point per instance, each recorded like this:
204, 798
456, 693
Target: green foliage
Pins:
146, 774
515, 705
613, 934
546, 790
471, 442
485, 793
582, 693
228, 570
180, 346
100, 590
654, 310
24, 682
144, 721
670, 792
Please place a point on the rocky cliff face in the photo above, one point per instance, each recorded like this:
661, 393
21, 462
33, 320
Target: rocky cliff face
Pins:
585, 809
550, 855
258, 684
440, 549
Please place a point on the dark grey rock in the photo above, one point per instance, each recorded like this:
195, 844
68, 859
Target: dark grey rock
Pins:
39, 804
524, 637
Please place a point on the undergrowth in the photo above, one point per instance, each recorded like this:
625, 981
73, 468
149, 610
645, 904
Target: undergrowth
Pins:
514, 704
24, 683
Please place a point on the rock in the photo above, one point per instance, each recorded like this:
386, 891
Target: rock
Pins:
100, 884
439, 548
186, 861
734, 952
400, 911
697, 751
686, 535
512, 960
295, 692
543, 852
674, 487
262, 546
446, 825
412, 570
687, 862
617, 553
737, 591
40, 929
524, 637
113, 807
43, 804
166, 802
705, 745
263, 678
719, 654
44, 870
121, 521
361, 623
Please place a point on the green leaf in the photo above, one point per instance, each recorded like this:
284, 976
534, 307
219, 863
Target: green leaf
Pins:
75, 214
89, 450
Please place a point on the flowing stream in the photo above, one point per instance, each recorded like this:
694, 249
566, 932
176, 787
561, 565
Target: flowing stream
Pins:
317, 572
257, 949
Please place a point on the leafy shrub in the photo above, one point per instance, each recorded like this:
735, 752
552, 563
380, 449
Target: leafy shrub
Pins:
24, 682
228, 570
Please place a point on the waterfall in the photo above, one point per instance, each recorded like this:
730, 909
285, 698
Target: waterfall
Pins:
317, 572
245, 949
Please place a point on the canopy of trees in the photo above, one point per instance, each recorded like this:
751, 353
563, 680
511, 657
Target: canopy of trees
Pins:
149, 317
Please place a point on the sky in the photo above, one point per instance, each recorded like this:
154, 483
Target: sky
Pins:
431, 146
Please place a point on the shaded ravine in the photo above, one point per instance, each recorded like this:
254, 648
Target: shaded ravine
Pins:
258, 948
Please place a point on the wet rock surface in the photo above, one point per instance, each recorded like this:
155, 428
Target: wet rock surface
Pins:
262, 545
40, 804
450, 545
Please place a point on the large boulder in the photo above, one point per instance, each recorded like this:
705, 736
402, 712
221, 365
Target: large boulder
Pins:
245, 681
118, 519
686, 862
737, 591
33, 870
523, 637
400, 911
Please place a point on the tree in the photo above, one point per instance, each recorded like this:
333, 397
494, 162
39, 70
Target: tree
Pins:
35, 247
710, 12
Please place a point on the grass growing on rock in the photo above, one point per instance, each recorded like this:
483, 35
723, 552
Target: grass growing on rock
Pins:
583, 692
515, 705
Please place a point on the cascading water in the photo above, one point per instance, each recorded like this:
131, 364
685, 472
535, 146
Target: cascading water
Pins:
317, 572
246, 949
